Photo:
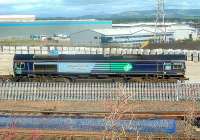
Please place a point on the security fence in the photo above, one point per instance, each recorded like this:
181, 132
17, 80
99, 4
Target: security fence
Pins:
192, 55
97, 91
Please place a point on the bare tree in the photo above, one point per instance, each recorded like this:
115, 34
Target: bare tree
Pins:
118, 110
191, 112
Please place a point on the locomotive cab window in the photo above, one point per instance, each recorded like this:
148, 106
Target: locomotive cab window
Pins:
177, 66
20, 65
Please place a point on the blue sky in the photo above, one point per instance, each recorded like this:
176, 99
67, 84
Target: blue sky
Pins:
71, 8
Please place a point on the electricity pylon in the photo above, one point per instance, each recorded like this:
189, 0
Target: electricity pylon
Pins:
160, 21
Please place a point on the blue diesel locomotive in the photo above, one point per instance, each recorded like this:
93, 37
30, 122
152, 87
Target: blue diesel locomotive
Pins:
127, 66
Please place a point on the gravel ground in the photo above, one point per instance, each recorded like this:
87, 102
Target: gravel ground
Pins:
20, 134
89, 106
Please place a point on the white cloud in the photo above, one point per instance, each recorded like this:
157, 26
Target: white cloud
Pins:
85, 7
26, 2
12, 2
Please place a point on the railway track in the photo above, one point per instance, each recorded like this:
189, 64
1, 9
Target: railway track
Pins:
23, 134
139, 79
179, 115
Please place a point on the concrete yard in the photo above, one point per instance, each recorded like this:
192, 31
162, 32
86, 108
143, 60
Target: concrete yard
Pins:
6, 64
193, 71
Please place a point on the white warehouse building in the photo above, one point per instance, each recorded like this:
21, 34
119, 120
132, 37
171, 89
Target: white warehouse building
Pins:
126, 36
131, 37
182, 32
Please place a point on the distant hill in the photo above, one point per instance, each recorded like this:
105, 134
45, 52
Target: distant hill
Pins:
173, 13
177, 13
147, 15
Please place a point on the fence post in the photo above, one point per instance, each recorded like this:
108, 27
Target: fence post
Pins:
178, 89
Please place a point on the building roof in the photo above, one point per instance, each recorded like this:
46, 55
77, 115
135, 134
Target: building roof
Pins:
128, 31
140, 30
143, 24
143, 30
182, 27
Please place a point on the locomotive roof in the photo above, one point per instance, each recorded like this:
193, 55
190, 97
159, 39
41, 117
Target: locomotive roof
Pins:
98, 57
